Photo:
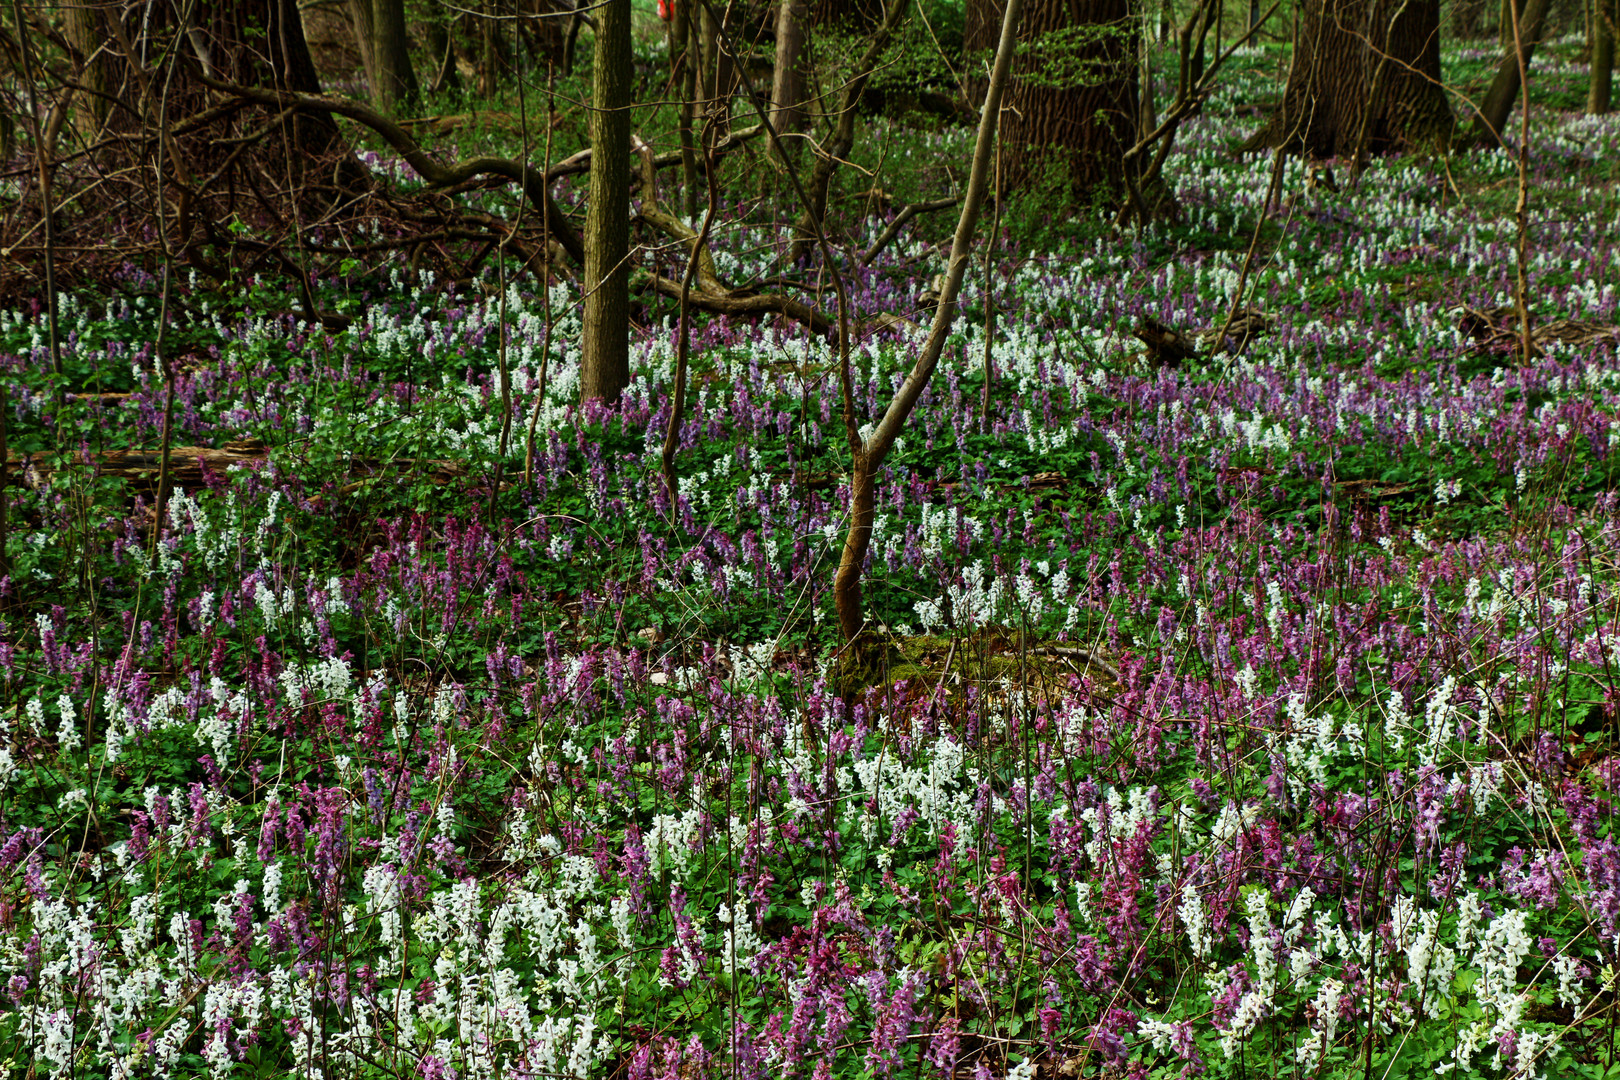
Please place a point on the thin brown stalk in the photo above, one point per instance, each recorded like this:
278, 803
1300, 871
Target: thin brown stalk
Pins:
990, 296
165, 365
683, 343
1521, 207
545, 293
870, 452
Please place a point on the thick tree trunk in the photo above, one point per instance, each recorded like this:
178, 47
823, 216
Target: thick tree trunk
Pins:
379, 27
247, 42
1071, 106
1366, 78
1504, 89
605, 368
1599, 92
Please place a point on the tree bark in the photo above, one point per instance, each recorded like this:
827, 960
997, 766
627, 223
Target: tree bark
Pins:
492, 49
1465, 17
245, 42
683, 61
605, 367
1365, 79
1494, 111
94, 64
869, 453
379, 27
1599, 92
1071, 101
787, 78
1504, 21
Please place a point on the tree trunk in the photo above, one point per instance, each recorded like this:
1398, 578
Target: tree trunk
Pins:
1365, 78
493, 56
605, 368
869, 453
379, 27
834, 151
1599, 92
1504, 88
787, 79
720, 69
1071, 102
95, 67
683, 51
247, 42
442, 46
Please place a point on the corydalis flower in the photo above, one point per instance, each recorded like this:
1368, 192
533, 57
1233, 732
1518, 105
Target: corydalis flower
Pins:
1196, 920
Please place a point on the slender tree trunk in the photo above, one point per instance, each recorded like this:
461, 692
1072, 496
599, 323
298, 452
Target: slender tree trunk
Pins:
869, 453
605, 369
95, 65
492, 48
787, 78
1347, 94
1149, 117
392, 48
1504, 89
1465, 16
836, 149
1598, 95
683, 75
720, 68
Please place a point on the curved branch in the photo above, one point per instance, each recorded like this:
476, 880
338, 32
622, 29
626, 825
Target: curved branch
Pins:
760, 304
436, 173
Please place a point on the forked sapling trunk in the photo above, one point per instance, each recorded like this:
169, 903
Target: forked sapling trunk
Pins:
869, 453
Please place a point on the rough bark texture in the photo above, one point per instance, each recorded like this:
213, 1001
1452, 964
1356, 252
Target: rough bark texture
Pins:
379, 28
605, 368
98, 70
1343, 78
1071, 106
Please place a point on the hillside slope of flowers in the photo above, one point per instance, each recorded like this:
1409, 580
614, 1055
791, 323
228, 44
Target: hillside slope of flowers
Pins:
1251, 717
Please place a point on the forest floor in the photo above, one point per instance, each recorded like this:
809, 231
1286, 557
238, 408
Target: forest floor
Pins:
1254, 715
